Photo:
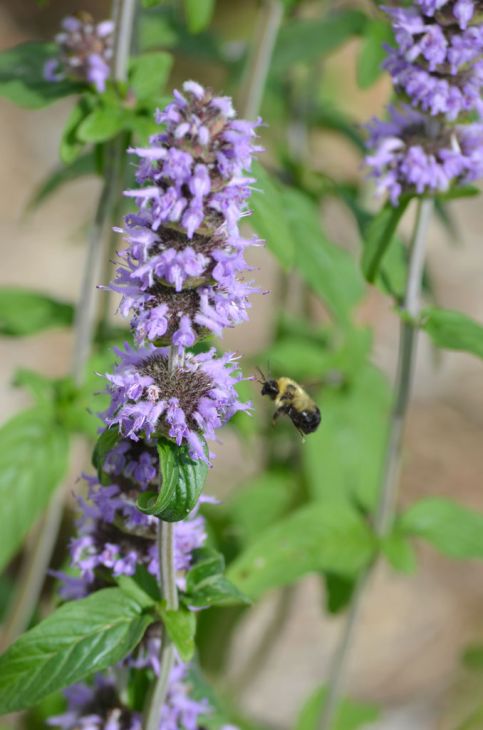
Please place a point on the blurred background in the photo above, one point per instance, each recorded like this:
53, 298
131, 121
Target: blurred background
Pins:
408, 652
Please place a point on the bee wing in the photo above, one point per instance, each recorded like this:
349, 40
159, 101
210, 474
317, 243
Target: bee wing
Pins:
331, 379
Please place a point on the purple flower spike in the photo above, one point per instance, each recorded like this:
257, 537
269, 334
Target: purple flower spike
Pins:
410, 153
424, 148
85, 51
162, 315
186, 405
114, 537
180, 279
437, 63
99, 707
96, 707
180, 275
188, 167
180, 709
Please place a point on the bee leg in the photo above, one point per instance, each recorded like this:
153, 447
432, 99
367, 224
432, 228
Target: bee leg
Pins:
301, 434
277, 414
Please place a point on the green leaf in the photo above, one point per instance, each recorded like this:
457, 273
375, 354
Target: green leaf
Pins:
198, 14
181, 628
144, 126
300, 357
33, 460
41, 388
473, 657
149, 73
104, 445
244, 424
83, 165
322, 264
82, 405
269, 216
342, 460
182, 480
206, 584
22, 76
24, 312
103, 123
349, 716
305, 40
313, 357
473, 721
259, 503
338, 592
78, 639
157, 30
453, 330
377, 33
70, 145
314, 538
379, 235
459, 191
392, 274
452, 529
131, 588
399, 552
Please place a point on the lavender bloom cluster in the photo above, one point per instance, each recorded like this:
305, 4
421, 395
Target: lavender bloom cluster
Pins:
85, 51
148, 397
182, 274
113, 537
437, 66
99, 706
416, 153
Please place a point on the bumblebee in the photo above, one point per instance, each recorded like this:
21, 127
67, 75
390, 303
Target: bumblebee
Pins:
291, 399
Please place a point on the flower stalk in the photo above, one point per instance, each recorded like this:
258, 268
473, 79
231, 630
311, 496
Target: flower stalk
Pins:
38, 555
391, 472
181, 277
169, 592
257, 69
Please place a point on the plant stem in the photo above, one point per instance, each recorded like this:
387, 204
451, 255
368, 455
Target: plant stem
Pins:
166, 562
86, 311
390, 479
407, 347
256, 662
38, 556
112, 246
169, 592
123, 12
167, 580
258, 66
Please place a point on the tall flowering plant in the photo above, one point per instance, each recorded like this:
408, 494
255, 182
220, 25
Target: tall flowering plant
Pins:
429, 147
181, 279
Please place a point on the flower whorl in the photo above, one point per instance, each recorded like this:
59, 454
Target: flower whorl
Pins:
437, 66
85, 51
180, 276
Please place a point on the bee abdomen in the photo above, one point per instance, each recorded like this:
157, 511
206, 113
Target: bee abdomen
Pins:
307, 421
